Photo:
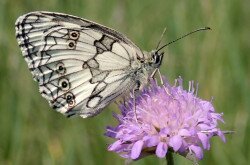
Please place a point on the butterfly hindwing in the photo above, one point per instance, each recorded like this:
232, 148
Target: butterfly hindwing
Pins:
80, 66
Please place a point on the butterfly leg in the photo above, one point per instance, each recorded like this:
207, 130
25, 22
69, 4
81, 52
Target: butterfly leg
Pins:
161, 81
153, 74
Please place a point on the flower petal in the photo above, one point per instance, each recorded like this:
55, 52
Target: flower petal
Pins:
136, 149
184, 132
110, 132
151, 141
175, 142
204, 140
115, 146
161, 150
217, 116
164, 131
222, 136
197, 151
205, 126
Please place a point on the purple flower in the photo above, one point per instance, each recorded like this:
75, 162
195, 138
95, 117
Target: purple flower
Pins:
168, 119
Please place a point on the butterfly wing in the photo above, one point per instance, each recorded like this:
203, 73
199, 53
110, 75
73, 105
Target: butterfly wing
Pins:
80, 66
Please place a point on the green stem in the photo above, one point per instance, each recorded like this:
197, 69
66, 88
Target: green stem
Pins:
169, 158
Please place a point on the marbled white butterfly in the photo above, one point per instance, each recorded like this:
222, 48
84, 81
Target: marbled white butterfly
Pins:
81, 66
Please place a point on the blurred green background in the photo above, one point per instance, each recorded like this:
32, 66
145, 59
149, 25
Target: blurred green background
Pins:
32, 133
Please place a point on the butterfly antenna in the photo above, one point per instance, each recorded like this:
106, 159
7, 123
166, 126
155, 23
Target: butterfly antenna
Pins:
197, 30
161, 38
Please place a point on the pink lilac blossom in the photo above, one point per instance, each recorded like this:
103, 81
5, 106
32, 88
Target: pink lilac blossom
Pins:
169, 118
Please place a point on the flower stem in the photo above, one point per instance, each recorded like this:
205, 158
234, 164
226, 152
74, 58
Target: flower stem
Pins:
169, 158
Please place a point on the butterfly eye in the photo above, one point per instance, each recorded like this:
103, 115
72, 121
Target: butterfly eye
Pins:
74, 35
60, 68
64, 84
157, 59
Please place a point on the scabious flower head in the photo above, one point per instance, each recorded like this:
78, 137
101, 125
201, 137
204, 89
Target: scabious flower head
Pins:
168, 118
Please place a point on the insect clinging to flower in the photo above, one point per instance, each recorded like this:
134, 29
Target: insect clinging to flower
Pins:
81, 66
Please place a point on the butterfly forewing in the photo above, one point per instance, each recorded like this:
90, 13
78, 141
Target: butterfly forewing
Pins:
80, 66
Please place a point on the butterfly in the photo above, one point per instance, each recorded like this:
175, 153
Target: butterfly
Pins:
81, 66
